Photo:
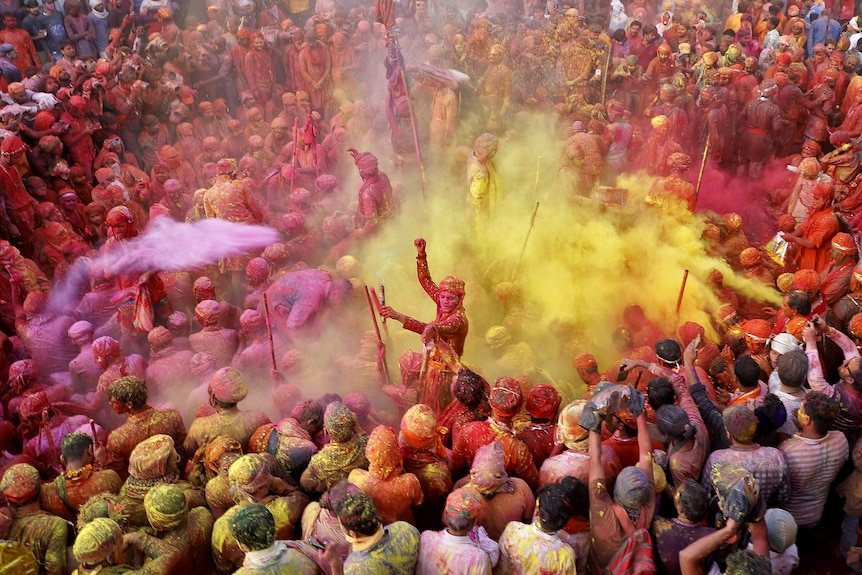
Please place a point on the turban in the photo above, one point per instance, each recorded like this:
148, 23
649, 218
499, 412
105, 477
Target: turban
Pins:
497, 336
365, 161
839, 137
227, 385
259, 440
152, 458
569, 432
248, 475
118, 215
277, 252
795, 327
782, 528
383, 453
786, 222
251, 320
419, 426
77, 102
23, 368
202, 363
784, 342
785, 282
710, 58
33, 405
43, 121
293, 360
339, 422
690, 330
326, 182
257, 267
453, 285
679, 161
543, 402
738, 491
731, 221
217, 447
740, 422
12, 146
488, 473
506, 397
80, 331
159, 336
844, 243
756, 330
207, 312
810, 145
486, 142
749, 257
347, 266
578, 126
358, 403
784, 59
659, 121
809, 167
20, 483
293, 221
806, 280
166, 507
97, 540
5, 49
585, 361
632, 489
462, 504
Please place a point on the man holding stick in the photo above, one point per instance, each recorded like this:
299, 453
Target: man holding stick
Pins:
450, 325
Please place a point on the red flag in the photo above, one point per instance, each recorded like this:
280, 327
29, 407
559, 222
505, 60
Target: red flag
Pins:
386, 13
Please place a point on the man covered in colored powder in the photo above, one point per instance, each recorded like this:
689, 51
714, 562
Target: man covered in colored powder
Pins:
450, 325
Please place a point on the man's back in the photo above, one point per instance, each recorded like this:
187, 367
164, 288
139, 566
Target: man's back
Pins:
395, 554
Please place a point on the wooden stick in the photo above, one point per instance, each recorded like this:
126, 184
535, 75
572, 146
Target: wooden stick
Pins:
681, 292
536, 183
702, 167
526, 239
269, 333
377, 331
415, 130
605, 74
380, 302
295, 152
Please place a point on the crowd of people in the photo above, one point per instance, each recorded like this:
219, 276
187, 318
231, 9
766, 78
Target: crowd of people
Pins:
222, 405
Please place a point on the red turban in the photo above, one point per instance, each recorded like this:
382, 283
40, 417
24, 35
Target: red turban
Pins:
506, 397
585, 361
20, 483
844, 242
543, 402
806, 280
463, 503
757, 330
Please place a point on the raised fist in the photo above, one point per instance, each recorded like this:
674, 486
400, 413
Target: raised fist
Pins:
420, 246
